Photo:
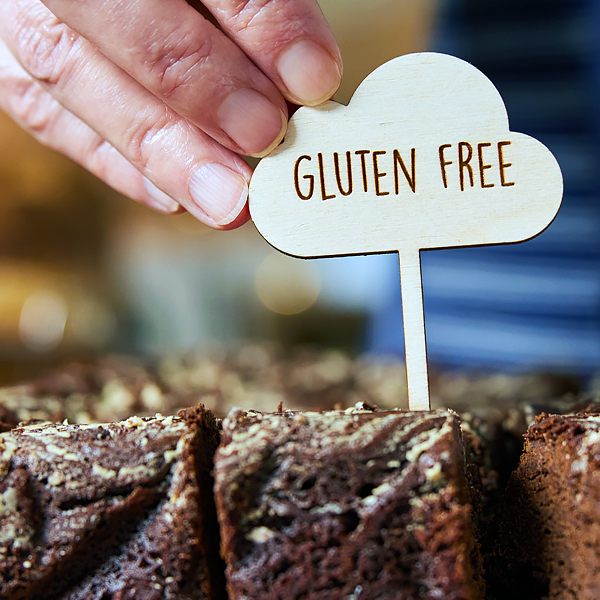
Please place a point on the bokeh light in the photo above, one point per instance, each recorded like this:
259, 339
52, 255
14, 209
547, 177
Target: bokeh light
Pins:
286, 285
43, 319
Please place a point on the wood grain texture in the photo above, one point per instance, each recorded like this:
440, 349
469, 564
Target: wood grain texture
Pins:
421, 158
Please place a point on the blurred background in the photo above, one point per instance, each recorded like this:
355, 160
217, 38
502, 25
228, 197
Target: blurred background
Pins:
85, 272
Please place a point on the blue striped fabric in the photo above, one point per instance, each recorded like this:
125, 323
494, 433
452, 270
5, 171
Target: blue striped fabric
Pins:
531, 306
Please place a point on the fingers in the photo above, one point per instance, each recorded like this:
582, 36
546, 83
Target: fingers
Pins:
153, 85
187, 62
289, 40
41, 115
187, 165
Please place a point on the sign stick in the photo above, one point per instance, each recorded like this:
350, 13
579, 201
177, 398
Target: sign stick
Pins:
414, 329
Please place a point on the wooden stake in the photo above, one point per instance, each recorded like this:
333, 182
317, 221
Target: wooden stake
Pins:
414, 330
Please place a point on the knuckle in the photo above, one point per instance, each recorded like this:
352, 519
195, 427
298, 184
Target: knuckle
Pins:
47, 50
144, 132
174, 62
34, 109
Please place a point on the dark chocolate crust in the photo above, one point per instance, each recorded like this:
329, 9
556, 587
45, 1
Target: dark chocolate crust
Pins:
346, 504
547, 533
109, 511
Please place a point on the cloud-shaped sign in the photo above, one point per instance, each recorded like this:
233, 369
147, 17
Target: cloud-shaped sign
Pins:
421, 158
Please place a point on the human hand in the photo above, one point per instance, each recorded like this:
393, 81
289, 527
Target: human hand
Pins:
153, 99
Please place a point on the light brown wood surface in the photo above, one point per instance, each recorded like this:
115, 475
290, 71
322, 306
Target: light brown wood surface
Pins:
421, 158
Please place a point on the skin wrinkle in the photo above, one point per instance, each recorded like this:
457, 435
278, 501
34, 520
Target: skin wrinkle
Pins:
56, 60
35, 110
42, 115
28, 108
255, 10
147, 128
169, 61
45, 50
290, 26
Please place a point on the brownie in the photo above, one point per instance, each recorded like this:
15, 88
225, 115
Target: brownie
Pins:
258, 376
113, 511
547, 531
107, 389
354, 504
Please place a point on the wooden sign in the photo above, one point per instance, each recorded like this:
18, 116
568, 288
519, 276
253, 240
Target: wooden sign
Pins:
421, 158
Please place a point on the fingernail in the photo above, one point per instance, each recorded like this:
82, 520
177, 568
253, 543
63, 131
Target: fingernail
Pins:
252, 121
219, 192
309, 72
159, 200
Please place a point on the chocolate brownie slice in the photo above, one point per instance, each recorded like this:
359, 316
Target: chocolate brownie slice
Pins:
344, 504
546, 538
110, 511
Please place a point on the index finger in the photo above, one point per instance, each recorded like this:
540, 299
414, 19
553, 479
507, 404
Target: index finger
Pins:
291, 42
